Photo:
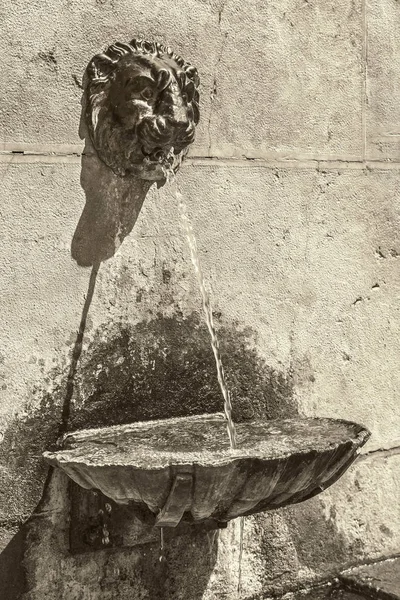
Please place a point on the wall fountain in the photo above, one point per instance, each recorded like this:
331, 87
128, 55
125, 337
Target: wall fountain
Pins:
142, 106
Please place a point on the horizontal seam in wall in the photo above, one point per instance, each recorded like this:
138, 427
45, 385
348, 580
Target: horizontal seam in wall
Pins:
8, 158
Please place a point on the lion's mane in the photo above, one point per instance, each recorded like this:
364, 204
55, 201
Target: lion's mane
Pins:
116, 145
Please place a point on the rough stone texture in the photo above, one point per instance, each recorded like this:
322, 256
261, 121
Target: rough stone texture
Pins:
309, 56
362, 508
379, 580
329, 591
346, 523
383, 88
308, 100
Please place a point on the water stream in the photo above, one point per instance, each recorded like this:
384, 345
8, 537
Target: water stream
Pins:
207, 309
241, 530
208, 314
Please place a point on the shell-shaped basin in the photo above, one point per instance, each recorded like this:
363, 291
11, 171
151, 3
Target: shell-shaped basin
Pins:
185, 468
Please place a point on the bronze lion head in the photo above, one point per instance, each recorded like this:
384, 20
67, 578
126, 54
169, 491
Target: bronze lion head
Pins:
142, 106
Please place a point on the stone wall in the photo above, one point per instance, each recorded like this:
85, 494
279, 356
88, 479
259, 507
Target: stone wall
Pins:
293, 189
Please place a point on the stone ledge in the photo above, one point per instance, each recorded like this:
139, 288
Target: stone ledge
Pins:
379, 580
328, 591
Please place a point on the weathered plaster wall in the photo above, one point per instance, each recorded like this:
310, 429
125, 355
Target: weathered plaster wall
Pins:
293, 189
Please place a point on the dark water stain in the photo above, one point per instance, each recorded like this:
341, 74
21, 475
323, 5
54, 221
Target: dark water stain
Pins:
21, 450
154, 369
165, 368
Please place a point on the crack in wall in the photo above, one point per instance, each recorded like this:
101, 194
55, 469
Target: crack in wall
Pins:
380, 452
214, 89
364, 98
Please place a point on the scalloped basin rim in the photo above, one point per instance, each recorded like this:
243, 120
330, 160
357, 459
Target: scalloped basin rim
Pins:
202, 440
183, 468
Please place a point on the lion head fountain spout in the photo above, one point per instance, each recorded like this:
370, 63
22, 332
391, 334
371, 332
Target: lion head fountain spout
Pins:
142, 107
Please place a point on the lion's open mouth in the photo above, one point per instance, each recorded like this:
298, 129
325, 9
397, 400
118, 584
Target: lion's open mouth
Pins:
160, 156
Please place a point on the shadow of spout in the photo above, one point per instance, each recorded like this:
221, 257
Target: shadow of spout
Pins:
112, 207
113, 203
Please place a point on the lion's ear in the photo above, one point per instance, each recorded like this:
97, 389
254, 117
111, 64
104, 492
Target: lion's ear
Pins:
102, 65
100, 68
190, 89
192, 74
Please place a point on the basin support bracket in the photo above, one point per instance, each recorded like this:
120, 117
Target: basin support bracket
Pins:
178, 501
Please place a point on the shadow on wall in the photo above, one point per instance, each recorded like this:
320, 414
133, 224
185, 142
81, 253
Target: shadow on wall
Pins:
12, 575
164, 368
112, 206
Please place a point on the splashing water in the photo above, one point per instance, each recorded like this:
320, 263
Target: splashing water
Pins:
170, 176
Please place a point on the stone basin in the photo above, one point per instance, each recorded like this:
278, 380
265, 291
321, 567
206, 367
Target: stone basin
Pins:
184, 468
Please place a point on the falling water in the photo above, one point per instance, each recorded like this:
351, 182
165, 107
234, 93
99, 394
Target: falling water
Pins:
161, 556
241, 529
209, 318
206, 308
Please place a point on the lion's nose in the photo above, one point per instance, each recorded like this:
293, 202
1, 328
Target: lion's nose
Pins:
178, 117
174, 110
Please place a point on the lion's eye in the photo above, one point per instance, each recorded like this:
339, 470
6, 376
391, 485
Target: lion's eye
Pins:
139, 87
147, 93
